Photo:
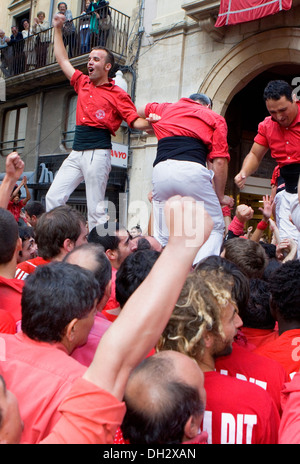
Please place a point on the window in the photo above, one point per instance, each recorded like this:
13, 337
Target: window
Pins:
14, 130
68, 134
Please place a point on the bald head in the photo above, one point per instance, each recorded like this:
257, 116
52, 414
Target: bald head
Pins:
91, 256
167, 388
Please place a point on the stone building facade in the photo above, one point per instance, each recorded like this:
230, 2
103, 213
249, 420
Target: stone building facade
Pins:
171, 49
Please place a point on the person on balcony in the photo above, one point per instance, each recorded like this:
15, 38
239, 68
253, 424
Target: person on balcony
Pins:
6, 55
42, 28
69, 32
16, 41
84, 30
29, 45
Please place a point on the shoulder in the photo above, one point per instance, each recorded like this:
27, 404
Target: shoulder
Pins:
78, 78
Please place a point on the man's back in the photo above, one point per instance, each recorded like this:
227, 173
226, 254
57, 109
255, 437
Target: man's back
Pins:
40, 375
186, 118
10, 296
285, 350
251, 367
238, 412
27, 267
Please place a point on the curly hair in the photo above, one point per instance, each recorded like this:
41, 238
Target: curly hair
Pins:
285, 290
198, 309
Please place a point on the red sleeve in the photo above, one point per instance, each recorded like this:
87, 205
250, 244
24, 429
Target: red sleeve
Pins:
219, 148
156, 108
90, 415
261, 137
126, 108
76, 79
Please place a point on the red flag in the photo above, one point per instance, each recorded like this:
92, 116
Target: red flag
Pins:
241, 11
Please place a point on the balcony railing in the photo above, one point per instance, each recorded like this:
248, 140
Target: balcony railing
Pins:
79, 35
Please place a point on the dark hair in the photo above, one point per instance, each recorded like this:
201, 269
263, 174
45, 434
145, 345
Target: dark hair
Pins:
143, 243
163, 424
277, 89
9, 233
273, 264
53, 296
248, 255
62, 3
105, 235
241, 289
269, 248
101, 270
54, 227
34, 208
202, 98
285, 290
26, 232
132, 272
257, 313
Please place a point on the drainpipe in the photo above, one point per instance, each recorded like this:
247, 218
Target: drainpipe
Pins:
38, 135
51, 12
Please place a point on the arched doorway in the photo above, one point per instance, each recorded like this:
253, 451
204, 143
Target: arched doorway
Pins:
236, 85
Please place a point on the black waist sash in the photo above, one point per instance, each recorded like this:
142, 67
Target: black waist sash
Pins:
91, 138
290, 173
181, 148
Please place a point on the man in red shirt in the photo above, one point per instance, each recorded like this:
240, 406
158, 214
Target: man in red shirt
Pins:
101, 107
203, 325
191, 137
10, 247
279, 132
58, 309
16, 204
93, 409
117, 243
57, 232
241, 362
285, 301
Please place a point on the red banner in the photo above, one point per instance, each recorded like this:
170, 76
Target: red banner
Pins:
241, 11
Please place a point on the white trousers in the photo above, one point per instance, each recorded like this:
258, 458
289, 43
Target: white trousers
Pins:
186, 178
92, 166
283, 201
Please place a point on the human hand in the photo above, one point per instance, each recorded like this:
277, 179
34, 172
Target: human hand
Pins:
153, 118
227, 201
286, 247
267, 209
189, 224
244, 213
240, 180
58, 20
14, 166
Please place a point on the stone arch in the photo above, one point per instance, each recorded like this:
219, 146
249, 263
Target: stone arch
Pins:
246, 60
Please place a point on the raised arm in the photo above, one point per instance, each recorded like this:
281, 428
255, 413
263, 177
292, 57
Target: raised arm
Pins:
28, 196
220, 169
14, 167
144, 317
59, 48
250, 164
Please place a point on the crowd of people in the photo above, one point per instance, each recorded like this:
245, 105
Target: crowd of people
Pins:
187, 336
27, 47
